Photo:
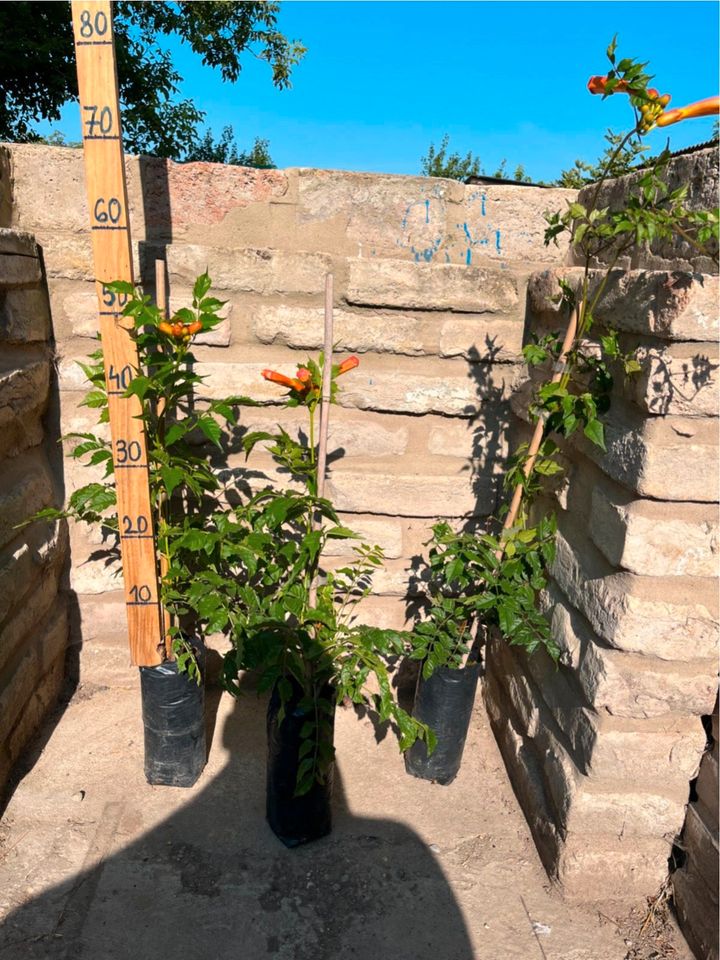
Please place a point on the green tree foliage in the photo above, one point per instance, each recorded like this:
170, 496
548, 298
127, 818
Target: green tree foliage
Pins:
37, 64
439, 163
225, 150
619, 157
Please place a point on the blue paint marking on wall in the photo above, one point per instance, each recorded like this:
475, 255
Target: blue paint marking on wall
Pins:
468, 257
497, 241
482, 204
427, 211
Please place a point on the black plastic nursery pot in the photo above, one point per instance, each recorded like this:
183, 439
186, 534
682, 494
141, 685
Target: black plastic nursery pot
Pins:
173, 708
444, 702
294, 820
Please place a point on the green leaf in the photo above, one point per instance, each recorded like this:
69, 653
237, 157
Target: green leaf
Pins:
594, 431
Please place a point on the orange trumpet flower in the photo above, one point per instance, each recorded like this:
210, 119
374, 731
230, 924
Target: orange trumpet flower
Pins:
291, 382
701, 108
599, 85
348, 364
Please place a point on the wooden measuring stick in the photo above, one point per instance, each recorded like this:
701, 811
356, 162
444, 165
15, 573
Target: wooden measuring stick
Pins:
112, 254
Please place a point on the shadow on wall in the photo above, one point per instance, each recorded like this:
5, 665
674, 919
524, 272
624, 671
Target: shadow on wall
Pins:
211, 882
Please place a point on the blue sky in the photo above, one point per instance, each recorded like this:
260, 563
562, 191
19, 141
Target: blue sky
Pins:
381, 80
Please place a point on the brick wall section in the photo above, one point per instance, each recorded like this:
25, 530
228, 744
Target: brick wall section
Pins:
601, 749
33, 610
695, 884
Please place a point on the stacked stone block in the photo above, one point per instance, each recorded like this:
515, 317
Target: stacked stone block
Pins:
601, 748
33, 609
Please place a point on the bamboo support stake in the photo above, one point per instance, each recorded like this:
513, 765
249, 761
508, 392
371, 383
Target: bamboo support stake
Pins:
325, 395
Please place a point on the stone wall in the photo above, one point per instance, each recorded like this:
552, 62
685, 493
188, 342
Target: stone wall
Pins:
33, 609
695, 883
601, 749
430, 290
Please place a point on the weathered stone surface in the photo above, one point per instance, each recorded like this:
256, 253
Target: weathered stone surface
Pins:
697, 173
452, 395
14, 241
24, 315
506, 222
668, 617
624, 684
482, 439
26, 487
348, 435
656, 539
35, 709
359, 332
23, 398
96, 566
666, 458
169, 199
622, 868
18, 271
425, 286
632, 812
386, 532
255, 271
489, 341
61, 204
409, 495
380, 215
679, 305
679, 380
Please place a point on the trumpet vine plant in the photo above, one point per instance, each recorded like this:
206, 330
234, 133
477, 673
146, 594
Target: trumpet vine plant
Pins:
496, 578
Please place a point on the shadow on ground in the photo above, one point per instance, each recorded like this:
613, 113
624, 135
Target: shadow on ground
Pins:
211, 882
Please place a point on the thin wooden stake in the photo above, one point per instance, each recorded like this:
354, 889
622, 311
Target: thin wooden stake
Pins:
326, 386
325, 395
112, 255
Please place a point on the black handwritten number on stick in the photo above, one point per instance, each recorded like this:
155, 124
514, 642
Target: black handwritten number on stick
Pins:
127, 451
139, 527
90, 27
107, 210
110, 298
120, 378
140, 594
101, 118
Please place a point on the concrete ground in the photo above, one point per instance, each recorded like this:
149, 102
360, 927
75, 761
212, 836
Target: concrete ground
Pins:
97, 865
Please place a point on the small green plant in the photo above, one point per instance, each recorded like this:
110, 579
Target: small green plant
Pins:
290, 620
496, 578
186, 492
